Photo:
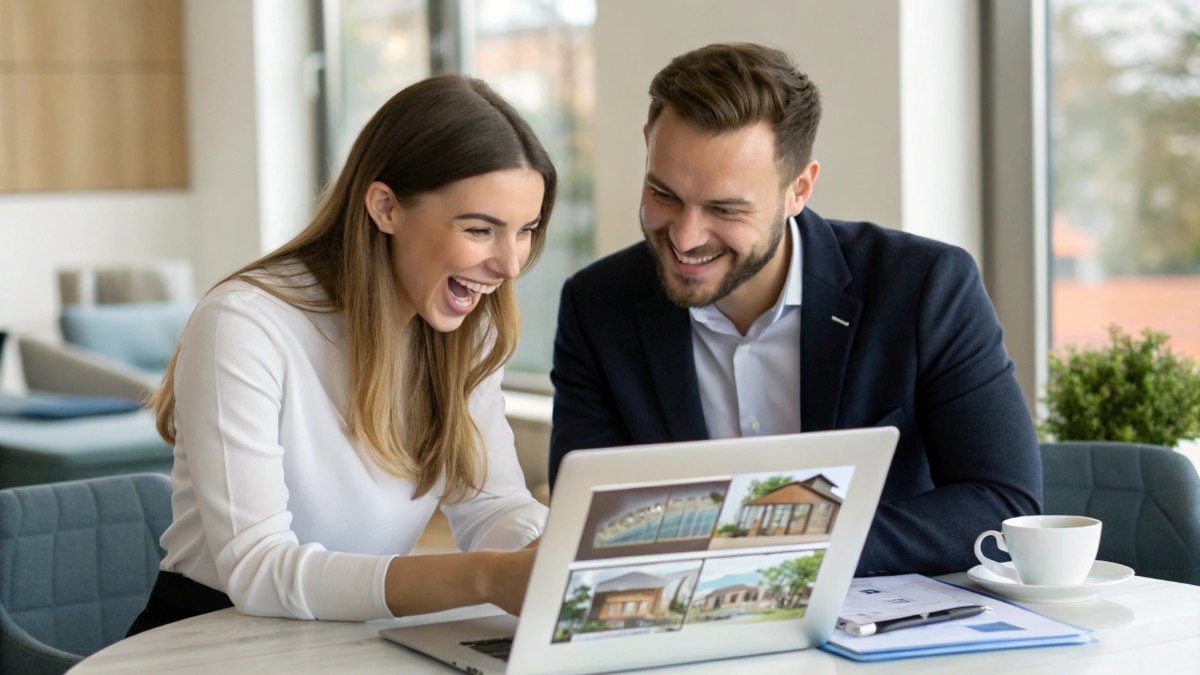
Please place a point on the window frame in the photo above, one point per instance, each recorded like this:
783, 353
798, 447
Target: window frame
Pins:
1016, 251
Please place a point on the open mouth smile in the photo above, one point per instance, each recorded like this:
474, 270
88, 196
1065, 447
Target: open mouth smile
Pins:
465, 292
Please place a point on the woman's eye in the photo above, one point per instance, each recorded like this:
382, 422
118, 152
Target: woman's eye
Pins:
479, 231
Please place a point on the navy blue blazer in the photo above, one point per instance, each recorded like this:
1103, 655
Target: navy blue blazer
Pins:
923, 352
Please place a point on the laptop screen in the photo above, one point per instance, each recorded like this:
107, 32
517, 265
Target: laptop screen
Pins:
700, 554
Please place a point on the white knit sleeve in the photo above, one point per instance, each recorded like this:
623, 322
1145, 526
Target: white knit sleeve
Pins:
229, 384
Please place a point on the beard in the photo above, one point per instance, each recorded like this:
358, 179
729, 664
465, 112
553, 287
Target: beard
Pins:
686, 292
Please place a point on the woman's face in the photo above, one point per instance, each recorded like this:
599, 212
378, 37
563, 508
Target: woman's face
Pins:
459, 243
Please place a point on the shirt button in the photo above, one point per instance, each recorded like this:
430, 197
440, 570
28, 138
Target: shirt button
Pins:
742, 348
754, 425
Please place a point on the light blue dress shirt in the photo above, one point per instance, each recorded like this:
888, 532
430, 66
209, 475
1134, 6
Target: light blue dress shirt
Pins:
750, 385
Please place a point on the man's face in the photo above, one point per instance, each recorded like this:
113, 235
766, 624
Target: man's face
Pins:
713, 211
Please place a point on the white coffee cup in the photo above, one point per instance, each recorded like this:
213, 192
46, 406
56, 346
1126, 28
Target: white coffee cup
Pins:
1045, 550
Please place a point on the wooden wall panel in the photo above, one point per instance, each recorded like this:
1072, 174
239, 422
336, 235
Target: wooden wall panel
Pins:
6, 37
165, 129
96, 94
97, 31
8, 164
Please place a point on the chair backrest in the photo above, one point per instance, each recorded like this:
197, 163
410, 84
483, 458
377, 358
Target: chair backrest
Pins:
146, 281
77, 562
1147, 496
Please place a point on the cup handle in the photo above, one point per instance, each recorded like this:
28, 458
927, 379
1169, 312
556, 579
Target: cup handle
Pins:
991, 565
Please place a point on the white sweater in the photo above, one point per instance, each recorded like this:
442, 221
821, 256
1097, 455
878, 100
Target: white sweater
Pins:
273, 503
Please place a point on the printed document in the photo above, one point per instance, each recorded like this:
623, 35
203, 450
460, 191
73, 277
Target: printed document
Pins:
1002, 626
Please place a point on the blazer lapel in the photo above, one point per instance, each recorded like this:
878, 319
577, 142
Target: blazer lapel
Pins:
829, 319
666, 333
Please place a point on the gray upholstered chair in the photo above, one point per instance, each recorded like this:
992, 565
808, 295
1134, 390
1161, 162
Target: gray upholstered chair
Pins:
1147, 496
77, 561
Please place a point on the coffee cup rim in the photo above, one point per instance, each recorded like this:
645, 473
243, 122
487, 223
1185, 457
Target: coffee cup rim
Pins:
1064, 521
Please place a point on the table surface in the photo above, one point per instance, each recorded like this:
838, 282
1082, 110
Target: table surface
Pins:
1142, 625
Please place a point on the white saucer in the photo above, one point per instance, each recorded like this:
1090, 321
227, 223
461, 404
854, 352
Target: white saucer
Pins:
1103, 575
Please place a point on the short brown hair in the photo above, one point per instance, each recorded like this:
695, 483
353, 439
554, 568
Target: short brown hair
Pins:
723, 87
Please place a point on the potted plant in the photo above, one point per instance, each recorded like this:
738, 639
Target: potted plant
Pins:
1130, 391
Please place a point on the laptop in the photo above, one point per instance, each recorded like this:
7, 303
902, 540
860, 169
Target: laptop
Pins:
680, 552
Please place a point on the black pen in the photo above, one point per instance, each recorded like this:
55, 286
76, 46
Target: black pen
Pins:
922, 619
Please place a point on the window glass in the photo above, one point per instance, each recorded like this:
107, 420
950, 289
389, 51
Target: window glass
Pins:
379, 47
1125, 166
538, 54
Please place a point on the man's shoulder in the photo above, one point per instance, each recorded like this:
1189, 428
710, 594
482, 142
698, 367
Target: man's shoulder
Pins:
861, 234
868, 246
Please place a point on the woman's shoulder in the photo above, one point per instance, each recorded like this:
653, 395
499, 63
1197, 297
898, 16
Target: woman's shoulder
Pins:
290, 289
290, 300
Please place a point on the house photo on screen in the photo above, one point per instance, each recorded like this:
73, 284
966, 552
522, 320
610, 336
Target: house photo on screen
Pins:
782, 509
651, 520
754, 588
626, 600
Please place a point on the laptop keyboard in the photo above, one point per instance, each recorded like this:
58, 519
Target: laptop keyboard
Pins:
494, 647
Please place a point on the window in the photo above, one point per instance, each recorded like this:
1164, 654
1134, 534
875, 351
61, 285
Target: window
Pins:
1124, 163
537, 54
373, 49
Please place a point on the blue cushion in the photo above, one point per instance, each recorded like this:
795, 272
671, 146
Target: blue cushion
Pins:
141, 334
63, 406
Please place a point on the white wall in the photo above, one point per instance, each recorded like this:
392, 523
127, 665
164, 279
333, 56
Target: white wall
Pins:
285, 89
892, 150
940, 148
223, 134
41, 232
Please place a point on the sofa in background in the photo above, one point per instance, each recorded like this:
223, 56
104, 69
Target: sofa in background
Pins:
119, 329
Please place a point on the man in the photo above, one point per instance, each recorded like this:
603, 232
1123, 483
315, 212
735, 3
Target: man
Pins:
745, 313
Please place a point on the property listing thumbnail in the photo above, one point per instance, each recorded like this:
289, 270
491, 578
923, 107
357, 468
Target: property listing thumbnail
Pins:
779, 509
652, 520
654, 598
705, 567
626, 600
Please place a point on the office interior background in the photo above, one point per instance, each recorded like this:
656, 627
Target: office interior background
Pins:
1056, 140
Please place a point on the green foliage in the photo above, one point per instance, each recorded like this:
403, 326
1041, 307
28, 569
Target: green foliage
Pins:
576, 607
729, 530
788, 579
759, 488
1131, 391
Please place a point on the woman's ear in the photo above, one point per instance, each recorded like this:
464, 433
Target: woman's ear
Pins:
382, 207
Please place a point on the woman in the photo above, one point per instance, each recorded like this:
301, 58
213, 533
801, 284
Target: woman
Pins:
326, 398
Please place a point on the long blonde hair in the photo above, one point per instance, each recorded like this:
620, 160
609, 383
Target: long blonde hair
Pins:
429, 135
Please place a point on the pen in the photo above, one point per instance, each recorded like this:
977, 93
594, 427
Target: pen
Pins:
922, 619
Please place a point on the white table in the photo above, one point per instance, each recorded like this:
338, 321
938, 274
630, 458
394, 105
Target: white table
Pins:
1142, 626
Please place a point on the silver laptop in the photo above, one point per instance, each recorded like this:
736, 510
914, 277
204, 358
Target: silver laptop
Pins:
664, 554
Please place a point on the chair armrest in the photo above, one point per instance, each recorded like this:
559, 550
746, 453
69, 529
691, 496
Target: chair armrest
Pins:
64, 369
22, 653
